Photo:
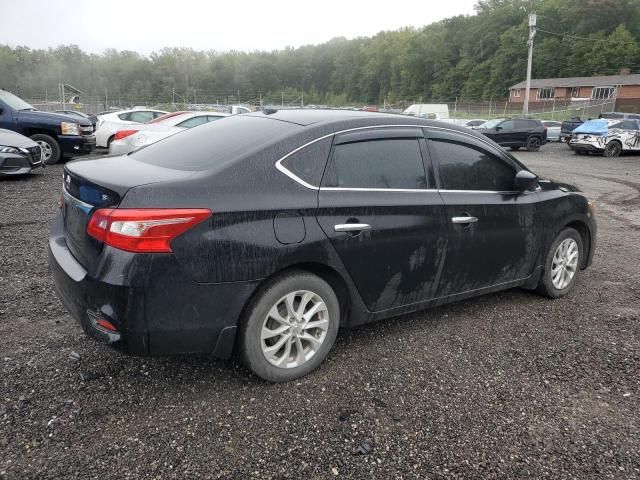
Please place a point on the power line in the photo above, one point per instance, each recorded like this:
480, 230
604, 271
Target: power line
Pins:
566, 35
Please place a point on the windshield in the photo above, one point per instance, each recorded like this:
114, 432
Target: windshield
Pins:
14, 102
492, 123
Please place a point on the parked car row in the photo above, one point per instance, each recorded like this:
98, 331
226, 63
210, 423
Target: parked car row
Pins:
135, 136
57, 134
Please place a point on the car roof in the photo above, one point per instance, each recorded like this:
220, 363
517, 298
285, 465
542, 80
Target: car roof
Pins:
305, 117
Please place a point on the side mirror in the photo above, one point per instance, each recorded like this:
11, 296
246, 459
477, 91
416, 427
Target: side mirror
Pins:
1, 110
498, 128
525, 180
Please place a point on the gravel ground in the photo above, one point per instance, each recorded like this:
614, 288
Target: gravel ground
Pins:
509, 385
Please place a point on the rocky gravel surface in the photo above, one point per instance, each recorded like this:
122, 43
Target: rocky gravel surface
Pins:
510, 385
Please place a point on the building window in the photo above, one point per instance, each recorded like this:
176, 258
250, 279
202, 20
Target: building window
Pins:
575, 92
602, 93
516, 92
545, 93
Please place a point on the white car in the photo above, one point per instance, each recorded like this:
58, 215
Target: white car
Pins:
610, 138
132, 137
553, 130
109, 123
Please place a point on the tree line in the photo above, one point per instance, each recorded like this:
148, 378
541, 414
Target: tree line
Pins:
474, 57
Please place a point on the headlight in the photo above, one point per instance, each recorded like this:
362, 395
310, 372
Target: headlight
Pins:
4, 149
69, 128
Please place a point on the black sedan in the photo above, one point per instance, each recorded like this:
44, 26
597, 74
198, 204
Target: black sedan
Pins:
19, 155
264, 233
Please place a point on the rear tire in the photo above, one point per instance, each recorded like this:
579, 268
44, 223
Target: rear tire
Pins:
562, 264
533, 144
111, 138
276, 342
50, 149
613, 149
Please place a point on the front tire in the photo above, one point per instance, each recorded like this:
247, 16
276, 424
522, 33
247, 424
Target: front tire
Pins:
613, 149
515, 149
50, 149
562, 264
289, 327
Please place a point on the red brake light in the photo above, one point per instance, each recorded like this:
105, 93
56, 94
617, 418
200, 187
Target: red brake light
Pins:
144, 230
120, 134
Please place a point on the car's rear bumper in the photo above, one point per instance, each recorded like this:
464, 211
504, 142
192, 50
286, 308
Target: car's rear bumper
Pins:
77, 144
155, 308
119, 147
584, 147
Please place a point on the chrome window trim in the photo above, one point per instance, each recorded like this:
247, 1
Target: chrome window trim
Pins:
361, 189
300, 181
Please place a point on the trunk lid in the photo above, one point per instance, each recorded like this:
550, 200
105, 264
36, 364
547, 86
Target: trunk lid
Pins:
101, 183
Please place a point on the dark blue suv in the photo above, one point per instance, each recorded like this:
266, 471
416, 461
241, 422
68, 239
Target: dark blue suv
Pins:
56, 134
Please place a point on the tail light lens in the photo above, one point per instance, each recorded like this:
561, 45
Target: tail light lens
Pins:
120, 134
145, 230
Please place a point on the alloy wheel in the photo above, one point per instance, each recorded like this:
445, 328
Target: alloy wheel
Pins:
564, 263
294, 329
46, 150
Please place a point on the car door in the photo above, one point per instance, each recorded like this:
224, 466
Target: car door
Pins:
493, 236
384, 216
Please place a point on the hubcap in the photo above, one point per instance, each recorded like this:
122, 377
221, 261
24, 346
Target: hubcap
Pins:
294, 329
46, 150
564, 264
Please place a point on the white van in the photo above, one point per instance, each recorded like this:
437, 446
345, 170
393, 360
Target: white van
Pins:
433, 111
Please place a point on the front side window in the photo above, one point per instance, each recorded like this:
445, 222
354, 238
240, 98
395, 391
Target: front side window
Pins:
506, 125
545, 93
387, 164
467, 167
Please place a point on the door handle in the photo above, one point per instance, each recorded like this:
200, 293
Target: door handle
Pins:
351, 227
464, 220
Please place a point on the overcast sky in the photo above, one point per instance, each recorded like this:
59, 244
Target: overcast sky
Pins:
148, 25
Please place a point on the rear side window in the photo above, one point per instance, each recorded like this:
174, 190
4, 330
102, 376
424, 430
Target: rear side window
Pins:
141, 117
193, 122
390, 163
308, 163
467, 167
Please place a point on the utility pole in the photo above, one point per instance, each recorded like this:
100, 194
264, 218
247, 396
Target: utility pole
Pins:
532, 33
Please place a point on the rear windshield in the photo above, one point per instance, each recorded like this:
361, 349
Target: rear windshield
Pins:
214, 144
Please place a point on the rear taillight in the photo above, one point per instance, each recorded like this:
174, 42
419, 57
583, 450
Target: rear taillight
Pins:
120, 134
145, 230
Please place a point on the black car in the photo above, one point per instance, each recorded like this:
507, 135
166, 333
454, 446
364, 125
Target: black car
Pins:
56, 134
263, 233
516, 133
19, 155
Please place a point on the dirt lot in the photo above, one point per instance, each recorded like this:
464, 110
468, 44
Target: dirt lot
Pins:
510, 385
